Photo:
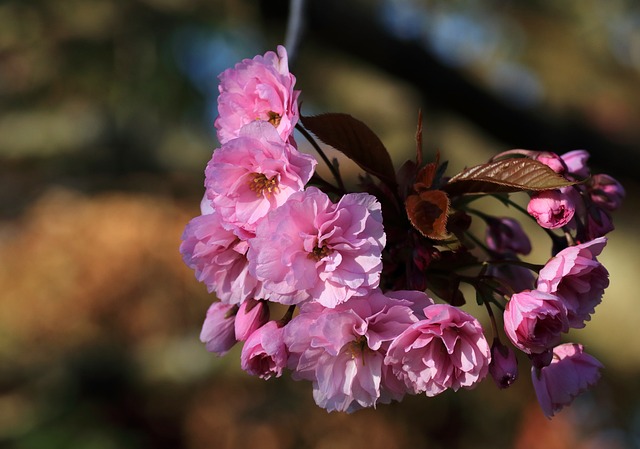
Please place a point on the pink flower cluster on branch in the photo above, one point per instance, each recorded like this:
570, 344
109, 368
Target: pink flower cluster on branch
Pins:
330, 284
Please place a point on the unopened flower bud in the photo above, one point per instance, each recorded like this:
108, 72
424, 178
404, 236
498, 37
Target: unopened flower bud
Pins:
552, 160
504, 365
552, 209
606, 192
218, 329
576, 162
251, 315
505, 235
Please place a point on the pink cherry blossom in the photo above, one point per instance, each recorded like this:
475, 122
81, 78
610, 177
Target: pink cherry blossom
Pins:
445, 350
217, 256
570, 373
534, 321
599, 223
251, 315
505, 234
313, 249
577, 278
341, 350
258, 89
576, 162
218, 330
552, 209
255, 173
264, 354
551, 160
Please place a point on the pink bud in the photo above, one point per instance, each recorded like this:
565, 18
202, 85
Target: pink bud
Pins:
264, 353
606, 192
504, 365
505, 235
218, 328
576, 162
251, 315
552, 209
551, 160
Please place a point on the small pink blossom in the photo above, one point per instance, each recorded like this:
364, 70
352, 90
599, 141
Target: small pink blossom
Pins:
313, 249
251, 315
504, 365
576, 162
577, 278
445, 350
505, 235
264, 354
258, 89
599, 223
570, 373
217, 256
341, 350
551, 160
606, 192
534, 321
255, 173
218, 329
552, 209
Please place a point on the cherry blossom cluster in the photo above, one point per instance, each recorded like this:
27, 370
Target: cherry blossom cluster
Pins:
352, 275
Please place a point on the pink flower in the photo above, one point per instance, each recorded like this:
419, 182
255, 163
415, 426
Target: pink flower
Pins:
576, 162
571, 372
258, 89
577, 278
551, 160
313, 249
218, 330
341, 350
264, 354
505, 235
255, 173
504, 365
251, 315
606, 192
552, 209
445, 350
598, 223
218, 258
534, 321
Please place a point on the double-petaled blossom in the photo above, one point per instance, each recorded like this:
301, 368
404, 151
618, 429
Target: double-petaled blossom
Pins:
264, 354
251, 315
254, 173
505, 235
218, 331
446, 349
341, 350
218, 258
258, 89
552, 209
534, 321
577, 278
313, 249
570, 373
504, 365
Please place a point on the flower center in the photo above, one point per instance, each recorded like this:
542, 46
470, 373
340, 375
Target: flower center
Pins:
274, 118
320, 252
358, 347
263, 185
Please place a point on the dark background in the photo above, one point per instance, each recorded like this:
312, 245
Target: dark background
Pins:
106, 124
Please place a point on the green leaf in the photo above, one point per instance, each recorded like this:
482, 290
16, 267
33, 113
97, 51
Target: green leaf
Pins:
507, 175
356, 141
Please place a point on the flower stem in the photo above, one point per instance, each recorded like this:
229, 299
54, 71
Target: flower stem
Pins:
335, 172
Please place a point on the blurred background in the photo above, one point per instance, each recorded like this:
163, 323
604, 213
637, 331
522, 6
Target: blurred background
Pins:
106, 124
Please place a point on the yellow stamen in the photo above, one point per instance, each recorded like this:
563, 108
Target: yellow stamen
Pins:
263, 185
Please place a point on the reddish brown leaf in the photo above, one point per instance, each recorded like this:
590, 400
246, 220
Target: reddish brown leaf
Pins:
507, 175
356, 141
427, 212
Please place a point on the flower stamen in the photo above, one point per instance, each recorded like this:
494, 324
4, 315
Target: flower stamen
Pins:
263, 185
